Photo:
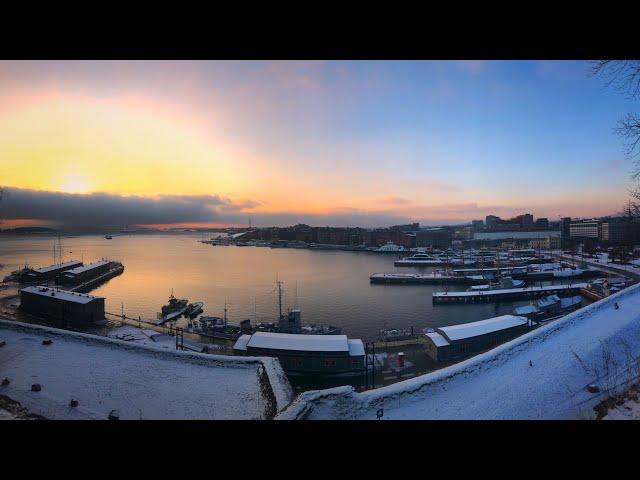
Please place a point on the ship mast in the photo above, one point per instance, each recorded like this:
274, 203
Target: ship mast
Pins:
279, 283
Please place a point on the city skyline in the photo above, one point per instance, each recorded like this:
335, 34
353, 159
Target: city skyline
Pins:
323, 143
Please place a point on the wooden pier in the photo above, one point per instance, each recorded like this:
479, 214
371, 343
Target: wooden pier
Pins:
441, 298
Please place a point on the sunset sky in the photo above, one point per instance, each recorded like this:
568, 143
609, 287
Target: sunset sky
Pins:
323, 143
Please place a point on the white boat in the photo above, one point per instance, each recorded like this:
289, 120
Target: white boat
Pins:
391, 247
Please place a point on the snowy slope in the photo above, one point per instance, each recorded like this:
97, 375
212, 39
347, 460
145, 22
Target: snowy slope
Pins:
594, 345
138, 381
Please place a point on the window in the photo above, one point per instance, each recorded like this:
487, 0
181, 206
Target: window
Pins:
328, 362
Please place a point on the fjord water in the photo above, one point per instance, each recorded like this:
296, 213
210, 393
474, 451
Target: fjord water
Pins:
330, 287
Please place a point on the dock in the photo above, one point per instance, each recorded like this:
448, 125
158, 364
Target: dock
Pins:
506, 294
424, 279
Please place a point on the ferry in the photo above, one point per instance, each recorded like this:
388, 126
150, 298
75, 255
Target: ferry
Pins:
173, 310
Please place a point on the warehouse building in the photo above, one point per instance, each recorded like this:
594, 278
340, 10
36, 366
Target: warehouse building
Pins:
61, 305
306, 354
45, 274
460, 341
80, 274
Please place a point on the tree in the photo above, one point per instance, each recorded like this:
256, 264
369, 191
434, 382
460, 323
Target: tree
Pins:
624, 76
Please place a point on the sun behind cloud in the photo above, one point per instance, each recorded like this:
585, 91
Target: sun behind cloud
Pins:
74, 183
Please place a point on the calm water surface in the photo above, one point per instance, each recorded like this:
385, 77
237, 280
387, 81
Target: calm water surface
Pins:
330, 287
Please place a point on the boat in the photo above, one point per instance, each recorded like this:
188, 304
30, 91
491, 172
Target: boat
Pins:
215, 327
108, 237
504, 283
396, 334
391, 247
194, 309
549, 307
173, 310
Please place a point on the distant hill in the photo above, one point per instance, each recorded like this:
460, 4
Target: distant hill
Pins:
29, 230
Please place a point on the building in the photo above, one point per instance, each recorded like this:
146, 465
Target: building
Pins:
620, 231
45, 274
491, 221
586, 229
542, 223
306, 354
460, 341
83, 273
433, 237
516, 239
61, 305
477, 225
546, 243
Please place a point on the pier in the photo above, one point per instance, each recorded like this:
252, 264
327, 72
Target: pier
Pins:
506, 294
424, 279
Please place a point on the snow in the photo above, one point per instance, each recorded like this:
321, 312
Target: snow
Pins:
138, 381
300, 342
86, 268
61, 294
356, 348
437, 339
510, 290
548, 301
482, 327
629, 410
570, 301
526, 309
50, 268
540, 375
241, 343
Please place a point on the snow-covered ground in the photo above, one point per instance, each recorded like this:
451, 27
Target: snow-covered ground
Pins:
138, 381
545, 374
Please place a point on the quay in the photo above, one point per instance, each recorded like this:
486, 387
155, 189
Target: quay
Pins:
506, 294
424, 279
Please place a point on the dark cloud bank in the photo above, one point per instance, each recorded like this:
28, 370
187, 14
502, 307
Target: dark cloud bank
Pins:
105, 209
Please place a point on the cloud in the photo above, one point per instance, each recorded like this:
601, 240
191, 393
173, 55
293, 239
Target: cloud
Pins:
106, 209
391, 200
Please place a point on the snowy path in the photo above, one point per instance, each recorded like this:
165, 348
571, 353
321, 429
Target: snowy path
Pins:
138, 381
502, 383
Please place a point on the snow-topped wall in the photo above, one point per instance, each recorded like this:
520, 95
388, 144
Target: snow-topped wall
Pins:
558, 371
135, 381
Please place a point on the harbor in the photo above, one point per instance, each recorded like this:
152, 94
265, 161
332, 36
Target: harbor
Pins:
393, 333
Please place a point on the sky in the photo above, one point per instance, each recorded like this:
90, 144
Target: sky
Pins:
342, 143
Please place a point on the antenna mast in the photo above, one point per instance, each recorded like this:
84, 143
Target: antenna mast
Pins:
279, 283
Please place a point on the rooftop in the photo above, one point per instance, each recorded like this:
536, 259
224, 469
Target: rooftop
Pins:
90, 266
61, 294
137, 381
290, 341
69, 264
475, 329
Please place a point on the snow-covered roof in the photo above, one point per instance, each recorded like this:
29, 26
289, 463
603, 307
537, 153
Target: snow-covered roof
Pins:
570, 301
300, 342
241, 343
85, 268
50, 268
61, 294
526, 309
482, 327
139, 381
437, 339
356, 347
547, 301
